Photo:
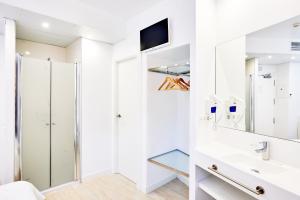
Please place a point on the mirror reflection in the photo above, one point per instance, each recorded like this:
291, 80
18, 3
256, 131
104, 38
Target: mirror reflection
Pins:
258, 81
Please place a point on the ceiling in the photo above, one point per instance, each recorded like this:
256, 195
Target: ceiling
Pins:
122, 8
283, 30
60, 33
103, 20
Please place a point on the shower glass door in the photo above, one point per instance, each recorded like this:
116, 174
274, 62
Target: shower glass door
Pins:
48, 124
35, 140
62, 123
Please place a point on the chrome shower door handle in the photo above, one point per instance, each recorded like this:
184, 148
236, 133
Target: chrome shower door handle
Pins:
119, 116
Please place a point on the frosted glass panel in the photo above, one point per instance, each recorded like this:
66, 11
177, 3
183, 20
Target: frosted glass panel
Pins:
48, 122
35, 92
63, 123
176, 160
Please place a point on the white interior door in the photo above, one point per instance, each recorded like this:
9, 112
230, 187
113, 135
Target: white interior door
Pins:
264, 105
62, 123
128, 118
35, 94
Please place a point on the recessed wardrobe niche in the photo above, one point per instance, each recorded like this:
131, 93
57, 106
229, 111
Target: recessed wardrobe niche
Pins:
168, 115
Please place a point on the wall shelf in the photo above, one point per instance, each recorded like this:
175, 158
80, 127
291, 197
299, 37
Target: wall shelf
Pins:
175, 160
180, 70
221, 190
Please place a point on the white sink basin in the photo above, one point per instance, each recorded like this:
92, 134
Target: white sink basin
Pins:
266, 168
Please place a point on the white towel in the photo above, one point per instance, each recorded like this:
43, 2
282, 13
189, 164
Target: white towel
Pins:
20, 190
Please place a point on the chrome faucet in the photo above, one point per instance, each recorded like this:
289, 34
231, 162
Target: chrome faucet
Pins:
264, 148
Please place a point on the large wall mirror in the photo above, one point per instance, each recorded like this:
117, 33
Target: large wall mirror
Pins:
258, 81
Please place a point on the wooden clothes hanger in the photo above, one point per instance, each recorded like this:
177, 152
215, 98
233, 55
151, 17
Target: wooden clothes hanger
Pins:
182, 83
174, 84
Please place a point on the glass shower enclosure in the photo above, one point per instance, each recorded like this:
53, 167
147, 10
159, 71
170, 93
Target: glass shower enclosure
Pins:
47, 145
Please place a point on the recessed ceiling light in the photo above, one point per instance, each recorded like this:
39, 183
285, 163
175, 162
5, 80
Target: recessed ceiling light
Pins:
45, 25
270, 57
293, 58
27, 53
176, 65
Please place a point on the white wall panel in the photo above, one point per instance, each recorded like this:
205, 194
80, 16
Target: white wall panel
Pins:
7, 102
96, 107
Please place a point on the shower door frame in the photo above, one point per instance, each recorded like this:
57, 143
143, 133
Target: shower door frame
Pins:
18, 122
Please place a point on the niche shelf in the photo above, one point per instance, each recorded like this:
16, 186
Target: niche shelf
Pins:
179, 70
221, 190
175, 160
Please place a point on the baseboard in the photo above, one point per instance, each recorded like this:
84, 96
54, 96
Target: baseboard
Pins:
86, 177
161, 183
94, 174
59, 187
184, 180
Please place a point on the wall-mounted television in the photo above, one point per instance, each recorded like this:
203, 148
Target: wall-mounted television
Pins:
155, 35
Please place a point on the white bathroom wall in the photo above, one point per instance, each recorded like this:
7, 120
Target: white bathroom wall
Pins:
41, 51
162, 117
96, 107
2, 135
230, 56
95, 59
203, 80
7, 100
74, 51
183, 120
181, 14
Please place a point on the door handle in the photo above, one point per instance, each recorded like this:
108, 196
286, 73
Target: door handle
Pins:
119, 116
48, 124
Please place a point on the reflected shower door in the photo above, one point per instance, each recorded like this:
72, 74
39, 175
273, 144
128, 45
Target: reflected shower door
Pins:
62, 123
35, 140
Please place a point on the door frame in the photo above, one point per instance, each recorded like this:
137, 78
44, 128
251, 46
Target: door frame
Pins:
115, 166
18, 122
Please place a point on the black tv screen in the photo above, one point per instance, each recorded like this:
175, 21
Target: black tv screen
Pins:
155, 35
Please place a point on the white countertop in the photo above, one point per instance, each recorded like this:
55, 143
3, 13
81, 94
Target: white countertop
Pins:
287, 179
